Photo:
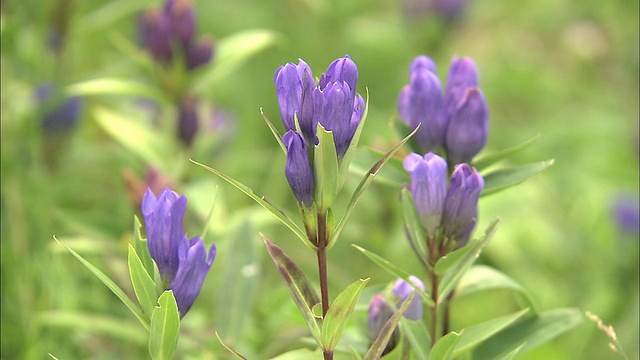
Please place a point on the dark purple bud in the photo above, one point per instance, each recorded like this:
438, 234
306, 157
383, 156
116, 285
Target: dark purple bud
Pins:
188, 120
378, 314
182, 20
294, 84
461, 204
155, 31
163, 218
343, 69
421, 102
297, 168
403, 290
59, 115
428, 187
468, 128
199, 53
462, 75
194, 264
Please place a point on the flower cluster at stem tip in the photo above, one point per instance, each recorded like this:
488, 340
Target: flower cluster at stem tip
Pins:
332, 101
456, 122
183, 263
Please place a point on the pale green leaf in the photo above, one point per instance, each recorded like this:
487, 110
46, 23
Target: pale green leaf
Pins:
229, 349
143, 285
114, 86
501, 179
339, 313
165, 327
325, 165
481, 277
141, 247
490, 159
415, 229
300, 354
443, 348
446, 262
476, 334
418, 335
275, 132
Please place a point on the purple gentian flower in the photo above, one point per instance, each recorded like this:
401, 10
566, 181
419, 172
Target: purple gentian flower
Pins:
155, 30
403, 290
428, 187
182, 263
181, 19
461, 204
294, 84
298, 168
461, 76
199, 53
468, 127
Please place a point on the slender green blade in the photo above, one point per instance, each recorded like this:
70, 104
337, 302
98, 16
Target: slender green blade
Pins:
111, 285
143, 285
339, 312
300, 289
443, 348
413, 224
476, 334
262, 202
325, 165
114, 86
446, 262
165, 327
396, 271
492, 158
275, 132
505, 178
418, 335
229, 349
380, 343
481, 277
141, 247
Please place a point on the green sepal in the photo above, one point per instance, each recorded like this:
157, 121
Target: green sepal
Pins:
417, 335
348, 155
455, 270
476, 334
325, 168
415, 229
501, 179
396, 271
526, 335
275, 132
299, 286
339, 312
262, 201
381, 341
364, 184
141, 247
443, 348
490, 159
229, 349
143, 285
165, 327
111, 285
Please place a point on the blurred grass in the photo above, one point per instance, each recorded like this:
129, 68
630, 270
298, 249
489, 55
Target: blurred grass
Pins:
565, 69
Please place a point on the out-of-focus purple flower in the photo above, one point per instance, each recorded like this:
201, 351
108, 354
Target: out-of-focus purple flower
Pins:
461, 204
462, 75
182, 263
428, 187
468, 127
379, 312
294, 85
626, 214
446, 9
421, 102
403, 290
59, 115
298, 169
181, 19
188, 119
136, 187
155, 30
199, 53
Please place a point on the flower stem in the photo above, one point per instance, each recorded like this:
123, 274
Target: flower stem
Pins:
433, 310
322, 270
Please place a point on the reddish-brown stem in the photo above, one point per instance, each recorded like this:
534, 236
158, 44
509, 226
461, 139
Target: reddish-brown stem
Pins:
322, 270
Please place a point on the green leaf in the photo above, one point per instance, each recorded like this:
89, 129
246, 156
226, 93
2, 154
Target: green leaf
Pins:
111, 285
140, 140
512, 355
443, 348
396, 271
531, 332
476, 334
364, 184
325, 165
451, 277
481, 277
143, 285
300, 354
113, 86
348, 155
339, 312
380, 343
275, 132
502, 179
232, 52
141, 247
263, 202
165, 327
490, 159
418, 335
415, 229
52, 357
300, 289
229, 349
446, 262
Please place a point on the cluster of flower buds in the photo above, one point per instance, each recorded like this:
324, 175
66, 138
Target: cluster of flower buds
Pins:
169, 31
457, 121
58, 115
380, 311
332, 102
183, 263
449, 211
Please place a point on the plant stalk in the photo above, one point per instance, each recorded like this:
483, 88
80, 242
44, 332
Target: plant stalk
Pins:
322, 270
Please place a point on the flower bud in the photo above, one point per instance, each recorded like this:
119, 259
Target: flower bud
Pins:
468, 127
194, 264
297, 168
199, 53
294, 84
420, 102
155, 30
378, 314
403, 290
461, 205
428, 187
181, 19
462, 75
343, 69
188, 119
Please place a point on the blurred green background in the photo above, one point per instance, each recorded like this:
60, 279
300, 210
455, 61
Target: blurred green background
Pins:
567, 70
